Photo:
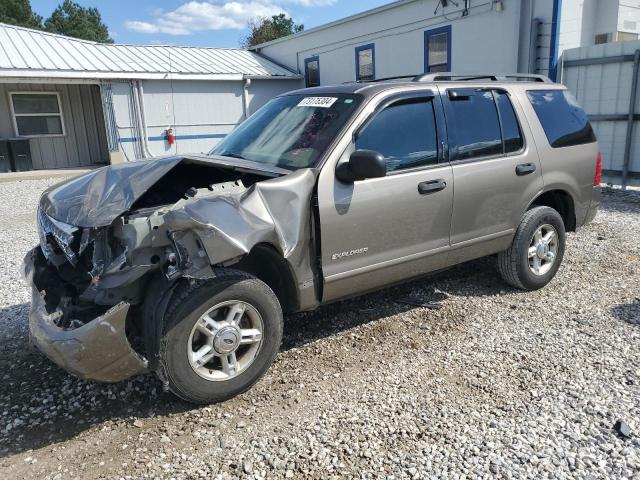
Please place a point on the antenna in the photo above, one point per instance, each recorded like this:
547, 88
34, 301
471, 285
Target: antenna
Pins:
445, 4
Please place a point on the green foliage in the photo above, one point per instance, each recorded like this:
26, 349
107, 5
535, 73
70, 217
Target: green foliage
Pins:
72, 20
266, 29
19, 12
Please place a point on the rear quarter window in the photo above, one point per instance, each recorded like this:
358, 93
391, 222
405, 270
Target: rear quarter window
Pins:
564, 122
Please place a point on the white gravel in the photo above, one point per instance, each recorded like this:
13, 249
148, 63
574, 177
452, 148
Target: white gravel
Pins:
496, 383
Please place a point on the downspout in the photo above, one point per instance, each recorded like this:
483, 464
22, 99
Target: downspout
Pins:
554, 47
533, 45
245, 97
143, 120
135, 120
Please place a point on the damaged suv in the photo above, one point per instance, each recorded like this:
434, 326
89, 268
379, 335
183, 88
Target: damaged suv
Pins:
183, 266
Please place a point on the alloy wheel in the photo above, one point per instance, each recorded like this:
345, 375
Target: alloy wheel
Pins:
543, 249
225, 340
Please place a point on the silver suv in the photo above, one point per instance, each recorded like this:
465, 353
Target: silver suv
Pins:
184, 265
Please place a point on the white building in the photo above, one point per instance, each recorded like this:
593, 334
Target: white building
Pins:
409, 37
75, 103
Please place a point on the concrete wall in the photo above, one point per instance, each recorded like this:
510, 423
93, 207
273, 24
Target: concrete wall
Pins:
582, 20
484, 40
605, 90
572, 16
536, 59
629, 16
84, 142
201, 113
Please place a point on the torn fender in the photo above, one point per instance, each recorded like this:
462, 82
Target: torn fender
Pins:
276, 212
98, 350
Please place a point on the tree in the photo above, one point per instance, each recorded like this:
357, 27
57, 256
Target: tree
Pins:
19, 12
264, 29
72, 20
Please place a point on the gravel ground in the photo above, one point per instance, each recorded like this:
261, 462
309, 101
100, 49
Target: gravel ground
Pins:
496, 383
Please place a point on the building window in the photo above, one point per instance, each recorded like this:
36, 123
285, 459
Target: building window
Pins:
312, 71
366, 62
437, 50
37, 114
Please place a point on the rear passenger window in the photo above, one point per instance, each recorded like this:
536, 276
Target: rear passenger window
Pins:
405, 133
563, 120
473, 125
511, 134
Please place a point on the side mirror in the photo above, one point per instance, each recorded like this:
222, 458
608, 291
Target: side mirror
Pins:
362, 164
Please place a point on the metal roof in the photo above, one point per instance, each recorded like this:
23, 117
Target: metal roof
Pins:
31, 53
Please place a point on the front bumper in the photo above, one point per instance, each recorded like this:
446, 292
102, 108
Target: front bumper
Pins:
98, 350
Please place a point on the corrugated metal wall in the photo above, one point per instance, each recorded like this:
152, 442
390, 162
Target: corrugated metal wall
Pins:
600, 77
201, 113
84, 142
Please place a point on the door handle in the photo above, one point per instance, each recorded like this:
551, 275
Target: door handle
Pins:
431, 186
525, 169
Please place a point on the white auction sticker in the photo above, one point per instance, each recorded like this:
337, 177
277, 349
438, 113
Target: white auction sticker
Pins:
322, 102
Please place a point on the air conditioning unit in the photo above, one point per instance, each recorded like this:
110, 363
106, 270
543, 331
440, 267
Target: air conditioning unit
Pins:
5, 157
20, 154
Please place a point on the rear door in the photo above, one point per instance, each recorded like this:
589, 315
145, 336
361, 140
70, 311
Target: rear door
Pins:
382, 230
495, 165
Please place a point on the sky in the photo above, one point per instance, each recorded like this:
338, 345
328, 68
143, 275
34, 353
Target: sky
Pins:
212, 23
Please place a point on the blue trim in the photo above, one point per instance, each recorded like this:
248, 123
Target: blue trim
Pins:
554, 47
177, 137
428, 34
306, 69
369, 46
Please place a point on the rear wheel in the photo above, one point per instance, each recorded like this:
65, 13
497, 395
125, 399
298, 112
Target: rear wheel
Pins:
537, 250
221, 336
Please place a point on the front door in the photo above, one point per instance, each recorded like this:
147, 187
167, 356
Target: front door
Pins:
379, 231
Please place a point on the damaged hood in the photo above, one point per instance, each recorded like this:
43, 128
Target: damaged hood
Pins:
97, 198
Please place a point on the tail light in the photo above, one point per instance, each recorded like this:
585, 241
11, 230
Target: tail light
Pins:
598, 176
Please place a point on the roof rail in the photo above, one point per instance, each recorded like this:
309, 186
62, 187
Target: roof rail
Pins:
385, 79
469, 77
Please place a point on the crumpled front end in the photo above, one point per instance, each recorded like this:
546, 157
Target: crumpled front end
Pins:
96, 349
112, 249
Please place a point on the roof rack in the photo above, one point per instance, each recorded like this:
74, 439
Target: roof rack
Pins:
384, 79
469, 77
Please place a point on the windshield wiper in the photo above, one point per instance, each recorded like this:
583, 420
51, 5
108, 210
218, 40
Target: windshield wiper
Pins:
232, 155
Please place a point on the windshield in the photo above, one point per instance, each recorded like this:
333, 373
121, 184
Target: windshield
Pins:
291, 131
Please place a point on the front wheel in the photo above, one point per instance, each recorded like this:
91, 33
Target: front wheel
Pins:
537, 250
220, 337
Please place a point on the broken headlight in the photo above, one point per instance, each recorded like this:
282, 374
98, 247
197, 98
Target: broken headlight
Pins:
55, 235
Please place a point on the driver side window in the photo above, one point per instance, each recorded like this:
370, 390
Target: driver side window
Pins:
405, 133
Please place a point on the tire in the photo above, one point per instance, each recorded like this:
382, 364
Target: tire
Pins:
184, 326
515, 265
